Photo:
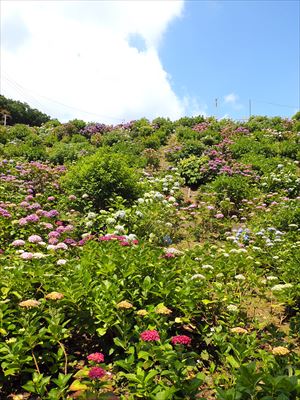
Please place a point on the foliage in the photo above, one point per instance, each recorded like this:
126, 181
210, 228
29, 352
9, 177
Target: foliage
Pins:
101, 177
133, 272
22, 113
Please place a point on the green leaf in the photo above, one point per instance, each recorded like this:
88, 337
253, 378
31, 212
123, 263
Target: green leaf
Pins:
101, 331
144, 355
77, 385
151, 375
232, 361
118, 342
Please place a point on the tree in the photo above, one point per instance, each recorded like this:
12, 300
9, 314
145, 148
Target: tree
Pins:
21, 113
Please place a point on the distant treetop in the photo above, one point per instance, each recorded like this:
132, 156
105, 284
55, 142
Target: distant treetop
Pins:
20, 113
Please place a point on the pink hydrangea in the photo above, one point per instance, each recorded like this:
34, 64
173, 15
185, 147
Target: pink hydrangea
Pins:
181, 339
219, 216
32, 218
62, 246
47, 225
26, 256
53, 240
18, 242
96, 373
150, 336
34, 239
96, 357
53, 234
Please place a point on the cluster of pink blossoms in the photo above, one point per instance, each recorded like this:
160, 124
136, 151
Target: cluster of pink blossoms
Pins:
96, 357
96, 372
181, 339
34, 239
150, 336
123, 240
153, 336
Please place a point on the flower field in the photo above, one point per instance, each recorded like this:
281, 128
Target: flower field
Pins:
150, 260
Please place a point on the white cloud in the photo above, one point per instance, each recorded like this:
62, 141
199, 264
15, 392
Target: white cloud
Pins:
79, 53
232, 100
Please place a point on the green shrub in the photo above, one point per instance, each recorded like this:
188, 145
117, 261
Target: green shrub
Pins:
290, 149
209, 140
142, 127
190, 121
113, 137
79, 123
189, 169
102, 176
258, 145
24, 150
186, 133
4, 134
234, 187
20, 131
152, 142
66, 152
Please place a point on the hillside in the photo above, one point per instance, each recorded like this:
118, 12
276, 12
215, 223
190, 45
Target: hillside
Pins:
153, 260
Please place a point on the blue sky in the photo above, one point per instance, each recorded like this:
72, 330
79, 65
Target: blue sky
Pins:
249, 48
113, 61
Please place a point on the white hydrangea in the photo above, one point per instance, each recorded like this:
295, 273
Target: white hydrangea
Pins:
198, 276
240, 277
232, 308
111, 221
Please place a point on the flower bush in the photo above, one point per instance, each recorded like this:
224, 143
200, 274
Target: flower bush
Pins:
119, 280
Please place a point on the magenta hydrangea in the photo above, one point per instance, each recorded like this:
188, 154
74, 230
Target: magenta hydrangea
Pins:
150, 336
96, 357
96, 373
181, 339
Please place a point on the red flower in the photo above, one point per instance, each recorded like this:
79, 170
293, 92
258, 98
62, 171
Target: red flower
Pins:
96, 373
124, 243
169, 255
150, 336
181, 339
96, 357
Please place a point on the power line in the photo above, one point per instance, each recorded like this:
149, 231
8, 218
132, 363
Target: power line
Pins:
274, 104
23, 94
23, 89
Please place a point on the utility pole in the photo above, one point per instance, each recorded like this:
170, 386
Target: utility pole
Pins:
216, 104
249, 108
6, 114
5, 118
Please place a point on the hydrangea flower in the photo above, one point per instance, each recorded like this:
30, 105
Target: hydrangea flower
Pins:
124, 304
96, 357
161, 309
149, 336
232, 308
18, 242
34, 239
238, 330
96, 373
280, 351
54, 296
181, 339
26, 255
29, 303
